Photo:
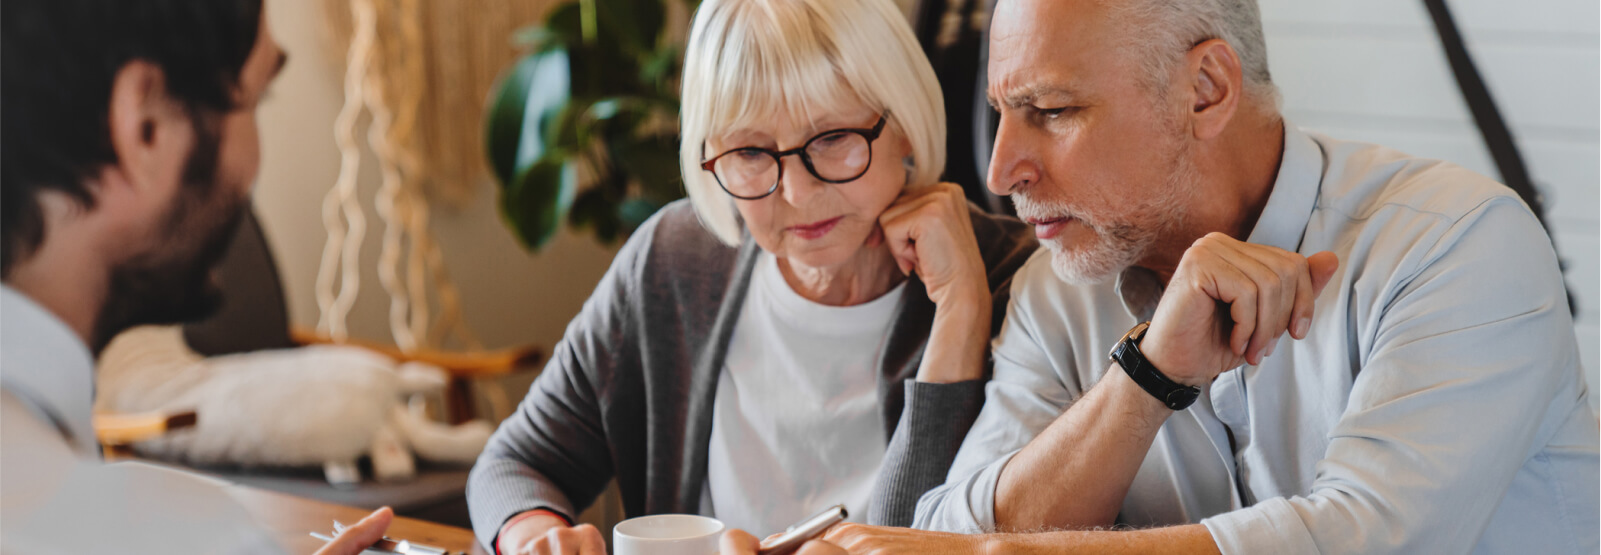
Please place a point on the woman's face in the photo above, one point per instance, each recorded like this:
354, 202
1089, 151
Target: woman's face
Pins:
809, 221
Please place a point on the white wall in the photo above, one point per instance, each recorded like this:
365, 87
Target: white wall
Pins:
1373, 70
509, 297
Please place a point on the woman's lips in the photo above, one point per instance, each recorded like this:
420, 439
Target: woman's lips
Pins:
815, 230
1046, 229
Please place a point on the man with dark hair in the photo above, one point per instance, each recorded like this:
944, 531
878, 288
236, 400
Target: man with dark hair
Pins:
130, 146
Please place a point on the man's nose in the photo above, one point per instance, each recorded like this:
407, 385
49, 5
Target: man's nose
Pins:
1012, 162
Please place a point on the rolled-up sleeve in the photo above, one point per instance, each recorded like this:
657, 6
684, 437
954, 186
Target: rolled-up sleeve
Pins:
1024, 396
1468, 370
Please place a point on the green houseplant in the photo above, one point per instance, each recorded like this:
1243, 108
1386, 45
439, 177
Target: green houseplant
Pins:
595, 99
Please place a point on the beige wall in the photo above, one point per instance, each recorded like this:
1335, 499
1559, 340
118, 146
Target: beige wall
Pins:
509, 296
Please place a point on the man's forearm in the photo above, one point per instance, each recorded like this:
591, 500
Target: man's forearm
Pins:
1076, 473
1189, 539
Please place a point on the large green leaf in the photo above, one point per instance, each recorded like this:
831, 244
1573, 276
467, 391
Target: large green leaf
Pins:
525, 112
596, 210
653, 161
535, 206
592, 94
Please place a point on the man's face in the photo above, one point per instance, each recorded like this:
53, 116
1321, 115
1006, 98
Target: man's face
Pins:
171, 280
1098, 163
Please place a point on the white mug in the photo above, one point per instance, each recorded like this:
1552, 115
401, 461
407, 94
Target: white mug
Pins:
667, 535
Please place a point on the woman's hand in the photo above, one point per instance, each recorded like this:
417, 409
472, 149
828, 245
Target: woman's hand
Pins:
548, 535
361, 535
929, 231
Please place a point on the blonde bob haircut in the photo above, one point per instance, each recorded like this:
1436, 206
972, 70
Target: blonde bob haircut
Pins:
750, 60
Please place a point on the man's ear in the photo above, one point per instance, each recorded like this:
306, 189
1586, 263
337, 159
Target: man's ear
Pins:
151, 136
1213, 70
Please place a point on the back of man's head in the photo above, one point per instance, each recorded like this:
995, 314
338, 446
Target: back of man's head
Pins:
58, 61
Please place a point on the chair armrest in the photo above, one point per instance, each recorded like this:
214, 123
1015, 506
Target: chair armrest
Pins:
458, 365
126, 428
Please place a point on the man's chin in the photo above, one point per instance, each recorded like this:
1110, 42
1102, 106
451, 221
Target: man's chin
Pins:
1081, 266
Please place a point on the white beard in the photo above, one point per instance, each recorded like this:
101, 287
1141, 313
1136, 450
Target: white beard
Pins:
1122, 240
1091, 264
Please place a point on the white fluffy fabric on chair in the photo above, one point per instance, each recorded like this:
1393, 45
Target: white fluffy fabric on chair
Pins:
310, 406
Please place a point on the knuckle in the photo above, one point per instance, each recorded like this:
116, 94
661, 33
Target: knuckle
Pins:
1251, 289
1273, 281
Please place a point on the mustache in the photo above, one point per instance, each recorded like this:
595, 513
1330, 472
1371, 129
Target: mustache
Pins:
1030, 208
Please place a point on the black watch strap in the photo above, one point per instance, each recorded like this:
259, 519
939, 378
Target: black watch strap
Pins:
1127, 354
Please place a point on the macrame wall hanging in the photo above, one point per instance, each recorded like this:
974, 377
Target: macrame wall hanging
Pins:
421, 69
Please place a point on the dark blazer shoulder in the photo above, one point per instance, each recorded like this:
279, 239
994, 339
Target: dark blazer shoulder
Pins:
670, 242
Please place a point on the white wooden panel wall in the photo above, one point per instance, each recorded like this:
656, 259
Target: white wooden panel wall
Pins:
1373, 70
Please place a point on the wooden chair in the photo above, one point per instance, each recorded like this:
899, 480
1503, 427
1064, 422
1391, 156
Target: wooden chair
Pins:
255, 317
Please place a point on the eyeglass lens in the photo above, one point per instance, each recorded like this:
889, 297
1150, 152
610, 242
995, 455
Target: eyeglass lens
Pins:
836, 156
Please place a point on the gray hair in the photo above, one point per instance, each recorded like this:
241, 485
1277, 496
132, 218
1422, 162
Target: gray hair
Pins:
1162, 30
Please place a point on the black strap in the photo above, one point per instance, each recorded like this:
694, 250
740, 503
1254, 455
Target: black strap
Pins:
1491, 126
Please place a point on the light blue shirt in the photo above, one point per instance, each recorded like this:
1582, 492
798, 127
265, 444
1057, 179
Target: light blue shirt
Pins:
1437, 406
58, 498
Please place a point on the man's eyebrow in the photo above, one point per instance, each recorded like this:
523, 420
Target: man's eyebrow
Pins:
1022, 97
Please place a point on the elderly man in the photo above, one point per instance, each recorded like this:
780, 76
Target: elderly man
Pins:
130, 148
1431, 403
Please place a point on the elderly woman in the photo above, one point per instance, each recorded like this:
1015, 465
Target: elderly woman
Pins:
752, 352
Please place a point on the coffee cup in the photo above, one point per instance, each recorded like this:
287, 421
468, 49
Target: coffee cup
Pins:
667, 535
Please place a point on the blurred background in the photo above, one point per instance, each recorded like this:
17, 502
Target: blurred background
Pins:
1370, 70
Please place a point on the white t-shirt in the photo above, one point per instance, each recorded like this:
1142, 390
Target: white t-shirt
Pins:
796, 425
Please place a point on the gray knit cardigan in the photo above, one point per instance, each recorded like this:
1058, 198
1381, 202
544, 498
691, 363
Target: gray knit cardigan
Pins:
628, 391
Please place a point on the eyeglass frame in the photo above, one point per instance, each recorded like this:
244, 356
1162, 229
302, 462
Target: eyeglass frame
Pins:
871, 134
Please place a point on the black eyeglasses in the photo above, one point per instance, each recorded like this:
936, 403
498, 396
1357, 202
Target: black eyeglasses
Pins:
837, 156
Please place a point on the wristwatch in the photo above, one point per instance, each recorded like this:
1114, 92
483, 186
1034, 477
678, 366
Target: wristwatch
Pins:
1127, 354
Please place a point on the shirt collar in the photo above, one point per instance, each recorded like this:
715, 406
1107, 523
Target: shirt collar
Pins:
46, 365
1282, 223
1289, 207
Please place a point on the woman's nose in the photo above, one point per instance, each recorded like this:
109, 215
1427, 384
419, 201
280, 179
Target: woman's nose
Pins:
798, 184
1012, 162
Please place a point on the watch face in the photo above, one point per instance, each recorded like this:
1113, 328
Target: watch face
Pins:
1135, 334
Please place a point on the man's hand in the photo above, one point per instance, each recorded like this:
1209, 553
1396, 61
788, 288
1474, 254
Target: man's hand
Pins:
737, 542
544, 534
1228, 303
861, 539
361, 535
